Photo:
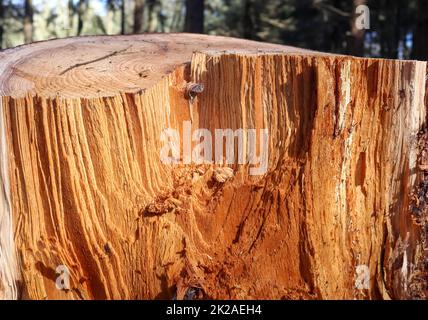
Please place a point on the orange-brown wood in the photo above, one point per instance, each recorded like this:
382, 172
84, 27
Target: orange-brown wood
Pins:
82, 121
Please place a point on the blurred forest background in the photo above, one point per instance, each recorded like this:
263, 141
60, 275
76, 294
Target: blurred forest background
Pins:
398, 28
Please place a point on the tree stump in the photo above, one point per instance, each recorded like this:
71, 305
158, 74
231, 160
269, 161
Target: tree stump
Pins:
337, 214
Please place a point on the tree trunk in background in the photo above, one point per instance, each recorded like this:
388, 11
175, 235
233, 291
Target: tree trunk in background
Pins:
70, 17
139, 16
389, 30
177, 16
247, 20
420, 39
123, 17
1, 23
151, 16
111, 10
28, 21
81, 15
194, 16
331, 215
356, 41
251, 19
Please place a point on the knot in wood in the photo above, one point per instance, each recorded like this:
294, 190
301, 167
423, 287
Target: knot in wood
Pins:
193, 89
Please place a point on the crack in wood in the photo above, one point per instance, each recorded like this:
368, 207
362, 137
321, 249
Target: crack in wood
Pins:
77, 65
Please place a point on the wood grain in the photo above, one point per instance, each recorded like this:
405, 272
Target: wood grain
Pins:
88, 189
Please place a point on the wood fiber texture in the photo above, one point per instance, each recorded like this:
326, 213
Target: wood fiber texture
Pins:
81, 121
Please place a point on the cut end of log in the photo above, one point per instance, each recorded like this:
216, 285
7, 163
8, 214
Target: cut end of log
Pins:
325, 212
103, 66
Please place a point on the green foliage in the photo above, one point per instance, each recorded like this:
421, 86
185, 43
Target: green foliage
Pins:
323, 25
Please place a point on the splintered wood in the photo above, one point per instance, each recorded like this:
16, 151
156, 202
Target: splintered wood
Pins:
85, 190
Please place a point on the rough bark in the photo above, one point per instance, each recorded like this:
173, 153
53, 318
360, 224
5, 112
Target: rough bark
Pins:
88, 190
